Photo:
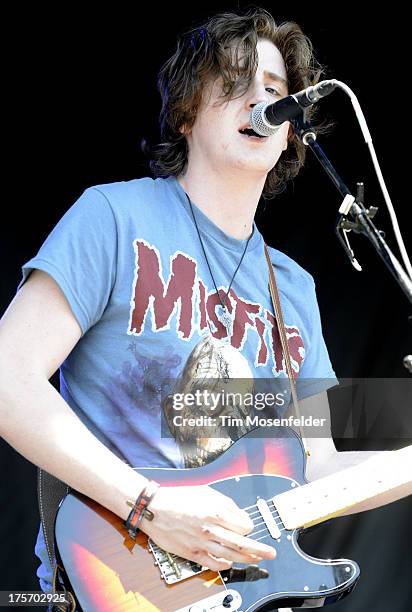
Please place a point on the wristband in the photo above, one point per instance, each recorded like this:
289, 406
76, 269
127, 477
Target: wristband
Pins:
140, 508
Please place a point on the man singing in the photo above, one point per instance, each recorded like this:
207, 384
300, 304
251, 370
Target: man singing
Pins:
153, 279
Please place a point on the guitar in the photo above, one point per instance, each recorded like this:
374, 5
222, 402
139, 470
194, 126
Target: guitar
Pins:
106, 570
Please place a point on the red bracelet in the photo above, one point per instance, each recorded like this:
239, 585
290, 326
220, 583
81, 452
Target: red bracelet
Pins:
140, 508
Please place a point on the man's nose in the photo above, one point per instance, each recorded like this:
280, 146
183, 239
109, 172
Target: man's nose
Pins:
256, 93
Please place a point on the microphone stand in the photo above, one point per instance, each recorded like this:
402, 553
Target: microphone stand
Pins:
354, 216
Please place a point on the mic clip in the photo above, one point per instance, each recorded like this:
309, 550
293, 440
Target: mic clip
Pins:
303, 129
345, 225
341, 233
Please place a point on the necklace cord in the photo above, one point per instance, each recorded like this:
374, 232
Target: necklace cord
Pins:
222, 302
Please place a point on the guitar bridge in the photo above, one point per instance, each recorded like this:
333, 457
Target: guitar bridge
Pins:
172, 567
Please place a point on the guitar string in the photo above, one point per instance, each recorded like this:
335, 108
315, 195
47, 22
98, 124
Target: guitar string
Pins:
274, 514
260, 516
258, 511
268, 501
263, 522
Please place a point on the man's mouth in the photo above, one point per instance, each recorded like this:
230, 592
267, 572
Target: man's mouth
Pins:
251, 133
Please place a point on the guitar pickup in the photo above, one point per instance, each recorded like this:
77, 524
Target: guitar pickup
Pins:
268, 518
172, 567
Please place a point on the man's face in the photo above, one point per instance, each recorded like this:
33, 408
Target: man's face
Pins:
216, 137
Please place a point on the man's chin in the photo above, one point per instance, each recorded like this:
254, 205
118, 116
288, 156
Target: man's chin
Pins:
259, 169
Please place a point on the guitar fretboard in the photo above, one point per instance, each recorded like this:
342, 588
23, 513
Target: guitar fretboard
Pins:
327, 497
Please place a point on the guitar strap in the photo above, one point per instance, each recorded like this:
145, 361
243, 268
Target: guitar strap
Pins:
50, 492
284, 341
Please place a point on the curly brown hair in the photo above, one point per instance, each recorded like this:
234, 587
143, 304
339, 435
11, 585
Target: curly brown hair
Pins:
225, 46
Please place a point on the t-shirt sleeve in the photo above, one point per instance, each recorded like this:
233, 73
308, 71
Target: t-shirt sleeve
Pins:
316, 373
80, 254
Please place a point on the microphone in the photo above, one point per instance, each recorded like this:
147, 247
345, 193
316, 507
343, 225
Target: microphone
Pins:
265, 119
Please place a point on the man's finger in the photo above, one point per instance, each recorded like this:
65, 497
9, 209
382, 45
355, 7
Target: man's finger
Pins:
238, 542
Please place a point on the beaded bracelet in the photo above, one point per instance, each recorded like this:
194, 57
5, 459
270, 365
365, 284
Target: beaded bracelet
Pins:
140, 508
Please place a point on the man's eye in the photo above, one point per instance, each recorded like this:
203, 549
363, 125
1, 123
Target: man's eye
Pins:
273, 91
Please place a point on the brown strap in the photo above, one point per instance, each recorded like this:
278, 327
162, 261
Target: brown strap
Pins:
283, 338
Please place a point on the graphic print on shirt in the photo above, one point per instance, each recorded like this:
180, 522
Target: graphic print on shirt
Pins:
205, 429
178, 297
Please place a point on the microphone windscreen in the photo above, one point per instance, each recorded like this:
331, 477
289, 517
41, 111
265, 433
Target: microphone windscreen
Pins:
258, 122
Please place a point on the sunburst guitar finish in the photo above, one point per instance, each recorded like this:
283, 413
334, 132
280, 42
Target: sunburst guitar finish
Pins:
108, 571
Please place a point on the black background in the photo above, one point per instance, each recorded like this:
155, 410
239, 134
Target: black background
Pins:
83, 93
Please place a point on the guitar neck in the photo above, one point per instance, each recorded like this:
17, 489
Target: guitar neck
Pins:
331, 495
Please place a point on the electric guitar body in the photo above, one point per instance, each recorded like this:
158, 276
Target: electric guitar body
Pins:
106, 570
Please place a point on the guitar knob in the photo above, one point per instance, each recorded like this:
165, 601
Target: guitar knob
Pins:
227, 600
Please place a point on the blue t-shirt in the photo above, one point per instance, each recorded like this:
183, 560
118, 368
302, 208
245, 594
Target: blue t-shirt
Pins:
128, 259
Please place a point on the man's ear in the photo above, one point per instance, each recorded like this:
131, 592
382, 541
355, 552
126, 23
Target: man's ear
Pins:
184, 130
289, 137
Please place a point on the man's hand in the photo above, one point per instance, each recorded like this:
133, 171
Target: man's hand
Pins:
205, 526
